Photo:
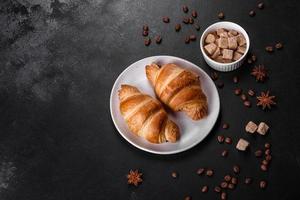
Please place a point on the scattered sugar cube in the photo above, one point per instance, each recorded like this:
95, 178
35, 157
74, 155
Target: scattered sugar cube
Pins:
241, 50
217, 53
210, 38
232, 33
262, 128
251, 127
227, 54
220, 30
237, 56
241, 40
232, 43
242, 144
210, 48
223, 43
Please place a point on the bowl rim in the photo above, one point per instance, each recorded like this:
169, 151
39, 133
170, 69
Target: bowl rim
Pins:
224, 64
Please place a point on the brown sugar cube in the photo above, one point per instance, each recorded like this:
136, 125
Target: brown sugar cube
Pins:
232, 43
237, 56
242, 144
232, 33
251, 127
241, 50
210, 48
224, 34
227, 54
220, 30
210, 38
241, 40
223, 43
262, 128
217, 53
219, 59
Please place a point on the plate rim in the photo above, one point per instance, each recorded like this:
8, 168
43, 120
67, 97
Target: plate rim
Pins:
155, 151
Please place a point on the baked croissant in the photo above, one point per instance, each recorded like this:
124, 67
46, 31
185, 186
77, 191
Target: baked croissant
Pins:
146, 117
179, 89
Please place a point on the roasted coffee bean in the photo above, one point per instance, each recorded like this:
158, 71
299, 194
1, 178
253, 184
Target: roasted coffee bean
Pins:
249, 61
188, 198
221, 138
194, 13
263, 168
145, 28
185, 9
197, 27
174, 175
258, 153
261, 5
185, 20
214, 76
237, 91
158, 39
247, 103
231, 186
234, 180
253, 58
248, 180
279, 45
268, 152
200, 171
227, 178
217, 189
269, 49
236, 169
193, 37
251, 13
268, 157
187, 39
220, 85
251, 93
224, 185
225, 126
191, 20
166, 19
177, 27
145, 33
221, 15
265, 162
147, 41
209, 172
223, 195
263, 184
235, 79
243, 97
267, 145
228, 140
204, 189
224, 153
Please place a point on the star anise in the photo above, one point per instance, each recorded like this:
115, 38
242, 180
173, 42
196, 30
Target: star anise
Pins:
265, 100
260, 73
134, 177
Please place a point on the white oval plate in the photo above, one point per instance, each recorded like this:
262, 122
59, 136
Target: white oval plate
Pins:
192, 132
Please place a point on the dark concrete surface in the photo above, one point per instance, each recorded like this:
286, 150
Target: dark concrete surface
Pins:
58, 62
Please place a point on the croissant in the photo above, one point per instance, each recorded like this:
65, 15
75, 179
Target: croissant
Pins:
146, 117
179, 89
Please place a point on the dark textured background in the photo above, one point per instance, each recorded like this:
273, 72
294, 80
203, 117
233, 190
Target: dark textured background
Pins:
58, 62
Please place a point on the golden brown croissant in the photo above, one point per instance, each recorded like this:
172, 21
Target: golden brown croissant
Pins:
146, 117
179, 89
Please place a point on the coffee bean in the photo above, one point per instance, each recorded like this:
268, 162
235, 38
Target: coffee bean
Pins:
187, 39
145, 28
251, 13
214, 76
261, 5
279, 45
228, 140
267, 152
158, 39
204, 189
247, 104
209, 172
220, 138
174, 175
185, 20
231, 186
188, 198
220, 85
221, 15
248, 180
269, 49
258, 153
235, 79
147, 41
197, 27
268, 157
236, 169
200, 171
166, 19
191, 20
225, 126
224, 185
263, 167
223, 195
251, 93
217, 189
265, 162
243, 97
224, 153
193, 37
227, 178
194, 14
177, 27
234, 180
185, 9
145, 33
267, 145
249, 61
253, 58
237, 91
263, 184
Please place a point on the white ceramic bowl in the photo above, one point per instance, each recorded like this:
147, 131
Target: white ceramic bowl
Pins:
224, 67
